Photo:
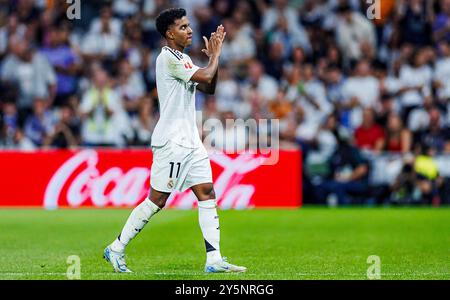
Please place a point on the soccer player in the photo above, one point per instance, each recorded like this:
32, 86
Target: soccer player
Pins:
180, 160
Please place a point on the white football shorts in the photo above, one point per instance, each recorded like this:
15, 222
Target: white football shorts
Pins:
177, 168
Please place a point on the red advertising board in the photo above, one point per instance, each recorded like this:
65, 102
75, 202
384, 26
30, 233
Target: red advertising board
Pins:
121, 178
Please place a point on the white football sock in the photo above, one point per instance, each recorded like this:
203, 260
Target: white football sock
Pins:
138, 218
209, 224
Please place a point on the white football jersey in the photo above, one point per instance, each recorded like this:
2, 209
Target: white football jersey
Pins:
176, 93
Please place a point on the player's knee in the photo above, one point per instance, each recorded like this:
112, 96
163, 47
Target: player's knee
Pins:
159, 199
162, 202
207, 192
159, 202
212, 194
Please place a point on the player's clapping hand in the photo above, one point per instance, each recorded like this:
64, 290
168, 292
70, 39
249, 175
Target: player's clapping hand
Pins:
220, 33
214, 44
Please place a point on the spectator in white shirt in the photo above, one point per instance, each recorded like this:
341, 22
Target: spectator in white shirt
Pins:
325, 141
104, 121
41, 123
106, 19
361, 90
238, 48
230, 135
334, 82
355, 34
228, 96
103, 39
416, 79
12, 28
130, 86
30, 71
281, 8
125, 8
242, 16
144, 122
418, 118
259, 88
310, 94
442, 72
19, 141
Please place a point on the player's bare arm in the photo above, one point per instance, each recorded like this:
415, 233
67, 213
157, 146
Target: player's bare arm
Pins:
210, 88
207, 77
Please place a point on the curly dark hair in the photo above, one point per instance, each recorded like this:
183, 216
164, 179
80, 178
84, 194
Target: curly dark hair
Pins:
167, 17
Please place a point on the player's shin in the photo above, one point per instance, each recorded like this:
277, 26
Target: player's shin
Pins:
209, 224
138, 218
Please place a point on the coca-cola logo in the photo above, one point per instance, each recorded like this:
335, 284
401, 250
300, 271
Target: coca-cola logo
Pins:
79, 181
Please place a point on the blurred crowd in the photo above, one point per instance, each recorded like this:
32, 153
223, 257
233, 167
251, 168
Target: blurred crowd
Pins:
346, 80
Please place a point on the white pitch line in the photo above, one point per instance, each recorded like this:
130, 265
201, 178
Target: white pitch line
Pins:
231, 274
305, 274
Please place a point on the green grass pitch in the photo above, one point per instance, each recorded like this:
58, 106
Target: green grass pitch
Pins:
309, 243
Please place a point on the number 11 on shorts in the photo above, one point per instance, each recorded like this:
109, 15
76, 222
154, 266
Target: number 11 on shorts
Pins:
172, 164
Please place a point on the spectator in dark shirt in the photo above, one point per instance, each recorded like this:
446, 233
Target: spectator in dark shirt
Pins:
274, 62
26, 11
385, 109
207, 21
436, 136
415, 23
441, 25
349, 173
40, 124
10, 120
67, 130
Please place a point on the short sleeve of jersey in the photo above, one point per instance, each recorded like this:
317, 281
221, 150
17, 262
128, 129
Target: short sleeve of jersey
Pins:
180, 66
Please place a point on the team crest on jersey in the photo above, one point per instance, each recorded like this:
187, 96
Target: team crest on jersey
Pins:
170, 184
188, 65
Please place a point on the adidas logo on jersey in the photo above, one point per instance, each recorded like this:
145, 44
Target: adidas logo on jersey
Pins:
176, 53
